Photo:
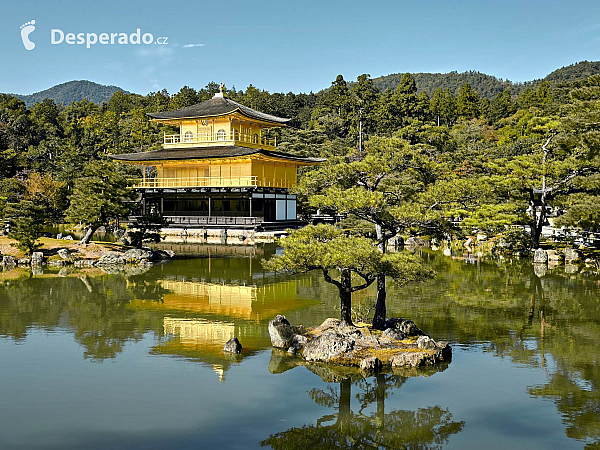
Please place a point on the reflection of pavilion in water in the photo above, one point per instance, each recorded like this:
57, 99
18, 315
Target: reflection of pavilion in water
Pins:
202, 312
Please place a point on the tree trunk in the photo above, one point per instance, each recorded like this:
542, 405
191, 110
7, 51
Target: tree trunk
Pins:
536, 225
380, 309
88, 234
346, 297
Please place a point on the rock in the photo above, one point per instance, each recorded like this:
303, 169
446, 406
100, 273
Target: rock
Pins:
406, 327
125, 239
24, 262
136, 255
65, 254
371, 364
59, 236
58, 263
163, 255
281, 332
233, 346
82, 263
111, 259
412, 359
540, 256
394, 333
68, 237
329, 345
37, 259
328, 324
425, 342
444, 350
37, 270
8, 262
118, 233
572, 255
297, 344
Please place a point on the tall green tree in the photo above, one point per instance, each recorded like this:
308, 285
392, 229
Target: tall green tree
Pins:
467, 102
99, 196
26, 219
376, 188
350, 263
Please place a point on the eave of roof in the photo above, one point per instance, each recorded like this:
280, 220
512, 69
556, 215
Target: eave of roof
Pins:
194, 153
216, 107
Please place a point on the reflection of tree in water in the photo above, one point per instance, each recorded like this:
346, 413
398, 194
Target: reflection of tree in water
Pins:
578, 404
422, 429
551, 322
95, 307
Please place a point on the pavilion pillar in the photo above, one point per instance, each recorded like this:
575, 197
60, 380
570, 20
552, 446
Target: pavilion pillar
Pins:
209, 206
162, 205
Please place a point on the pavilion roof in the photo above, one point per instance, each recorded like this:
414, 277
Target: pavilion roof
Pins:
225, 151
216, 106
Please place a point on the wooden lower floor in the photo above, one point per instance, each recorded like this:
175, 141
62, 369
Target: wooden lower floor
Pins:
222, 208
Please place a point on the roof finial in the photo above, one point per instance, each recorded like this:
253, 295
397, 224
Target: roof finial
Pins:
220, 94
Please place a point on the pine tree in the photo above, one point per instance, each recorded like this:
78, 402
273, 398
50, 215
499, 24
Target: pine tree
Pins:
467, 102
26, 221
99, 196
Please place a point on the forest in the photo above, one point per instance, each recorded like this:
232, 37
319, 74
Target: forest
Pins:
411, 163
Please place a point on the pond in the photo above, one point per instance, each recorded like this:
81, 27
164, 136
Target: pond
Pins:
134, 361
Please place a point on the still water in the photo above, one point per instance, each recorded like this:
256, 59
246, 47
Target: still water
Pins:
134, 361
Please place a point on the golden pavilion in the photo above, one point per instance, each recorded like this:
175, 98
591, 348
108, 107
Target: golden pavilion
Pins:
219, 171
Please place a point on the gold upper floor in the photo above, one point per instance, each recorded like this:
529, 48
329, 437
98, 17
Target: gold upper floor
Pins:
232, 129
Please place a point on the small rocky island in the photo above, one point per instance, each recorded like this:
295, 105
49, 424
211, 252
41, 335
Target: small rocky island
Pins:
401, 344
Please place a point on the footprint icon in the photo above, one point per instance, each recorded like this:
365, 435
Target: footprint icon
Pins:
26, 30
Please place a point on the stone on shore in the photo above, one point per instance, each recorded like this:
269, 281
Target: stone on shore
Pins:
401, 344
65, 254
58, 263
8, 262
136, 255
111, 259
233, 346
371, 364
329, 345
163, 255
401, 329
84, 263
282, 333
297, 344
37, 259
425, 342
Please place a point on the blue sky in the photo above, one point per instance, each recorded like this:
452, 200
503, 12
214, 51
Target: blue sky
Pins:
293, 46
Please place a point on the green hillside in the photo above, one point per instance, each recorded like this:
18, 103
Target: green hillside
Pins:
72, 91
486, 85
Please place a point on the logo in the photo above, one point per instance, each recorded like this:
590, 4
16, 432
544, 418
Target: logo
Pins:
26, 30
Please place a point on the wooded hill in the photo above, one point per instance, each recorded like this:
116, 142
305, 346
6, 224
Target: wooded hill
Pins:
487, 86
72, 91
